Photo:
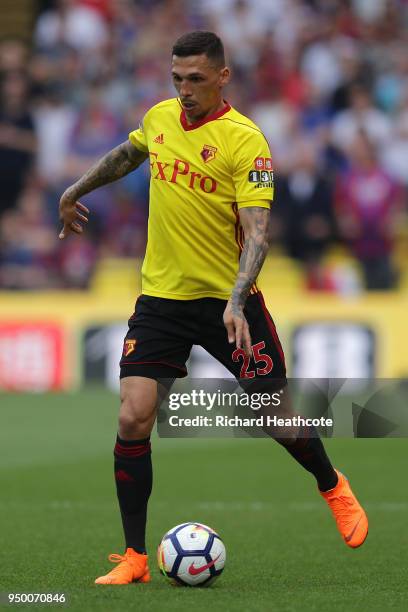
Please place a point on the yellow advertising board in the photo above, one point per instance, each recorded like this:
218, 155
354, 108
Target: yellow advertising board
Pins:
322, 335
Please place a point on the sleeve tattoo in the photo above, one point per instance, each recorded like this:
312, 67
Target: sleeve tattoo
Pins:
256, 246
115, 164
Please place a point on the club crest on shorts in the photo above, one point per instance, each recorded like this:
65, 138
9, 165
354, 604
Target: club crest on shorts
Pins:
129, 347
208, 153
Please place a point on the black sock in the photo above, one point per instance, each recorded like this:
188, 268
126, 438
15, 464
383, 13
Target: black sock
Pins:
133, 477
308, 450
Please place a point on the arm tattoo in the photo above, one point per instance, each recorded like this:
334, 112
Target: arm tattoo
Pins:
252, 257
115, 164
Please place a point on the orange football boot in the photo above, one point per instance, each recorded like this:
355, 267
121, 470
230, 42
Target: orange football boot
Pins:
350, 517
132, 568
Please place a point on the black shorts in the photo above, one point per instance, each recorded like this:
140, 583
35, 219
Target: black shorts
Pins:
162, 333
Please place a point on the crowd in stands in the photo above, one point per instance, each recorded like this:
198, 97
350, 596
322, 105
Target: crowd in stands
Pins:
326, 81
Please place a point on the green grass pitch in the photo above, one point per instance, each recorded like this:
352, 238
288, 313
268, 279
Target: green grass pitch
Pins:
59, 518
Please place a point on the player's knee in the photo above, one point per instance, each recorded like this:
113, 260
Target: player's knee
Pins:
134, 427
135, 422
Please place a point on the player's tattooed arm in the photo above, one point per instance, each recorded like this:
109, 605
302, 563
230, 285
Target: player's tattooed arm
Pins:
113, 166
255, 222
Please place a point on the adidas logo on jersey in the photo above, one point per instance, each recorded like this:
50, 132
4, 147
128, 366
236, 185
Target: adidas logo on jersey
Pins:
159, 139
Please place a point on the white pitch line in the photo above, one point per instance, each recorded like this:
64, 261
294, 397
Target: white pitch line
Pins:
219, 506
296, 506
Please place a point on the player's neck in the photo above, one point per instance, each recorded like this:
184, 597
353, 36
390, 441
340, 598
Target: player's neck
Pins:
221, 104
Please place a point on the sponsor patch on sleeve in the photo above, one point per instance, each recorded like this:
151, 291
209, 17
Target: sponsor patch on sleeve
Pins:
263, 163
264, 177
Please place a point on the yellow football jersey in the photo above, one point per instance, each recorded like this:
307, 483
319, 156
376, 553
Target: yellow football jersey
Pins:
201, 175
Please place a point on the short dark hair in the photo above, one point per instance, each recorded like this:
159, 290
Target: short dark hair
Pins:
199, 42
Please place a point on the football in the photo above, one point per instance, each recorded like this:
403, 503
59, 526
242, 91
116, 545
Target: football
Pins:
191, 554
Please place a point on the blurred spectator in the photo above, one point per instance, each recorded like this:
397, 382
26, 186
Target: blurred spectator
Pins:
13, 56
54, 120
269, 70
304, 204
277, 120
320, 62
369, 11
294, 85
95, 132
76, 262
314, 113
71, 23
390, 83
362, 115
17, 138
395, 155
125, 231
242, 33
28, 245
367, 206
353, 73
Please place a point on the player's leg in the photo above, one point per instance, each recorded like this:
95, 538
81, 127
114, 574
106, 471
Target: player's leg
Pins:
140, 397
267, 368
132, 456
307, 448
154, 349
303, 443
133, 476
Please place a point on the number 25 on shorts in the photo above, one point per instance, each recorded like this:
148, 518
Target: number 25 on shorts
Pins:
258, 357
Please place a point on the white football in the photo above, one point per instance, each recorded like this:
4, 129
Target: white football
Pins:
191, 554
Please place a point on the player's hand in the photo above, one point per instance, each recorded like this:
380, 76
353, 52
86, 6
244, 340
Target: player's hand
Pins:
237, 328
71, 214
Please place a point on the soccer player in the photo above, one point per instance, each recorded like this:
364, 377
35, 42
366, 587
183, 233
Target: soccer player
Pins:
210, 192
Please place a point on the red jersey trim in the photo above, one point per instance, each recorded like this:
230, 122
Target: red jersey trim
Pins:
187, 127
